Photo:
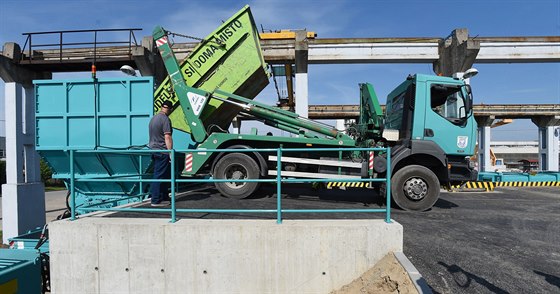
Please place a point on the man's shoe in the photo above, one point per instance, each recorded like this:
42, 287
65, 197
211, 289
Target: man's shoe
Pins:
161, 204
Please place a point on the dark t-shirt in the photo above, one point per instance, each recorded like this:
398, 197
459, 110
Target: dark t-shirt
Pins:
159, 125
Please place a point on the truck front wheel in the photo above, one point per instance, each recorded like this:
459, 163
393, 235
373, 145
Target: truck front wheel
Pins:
415, 188
236, 166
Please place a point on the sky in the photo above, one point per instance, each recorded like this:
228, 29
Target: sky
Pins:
533, 83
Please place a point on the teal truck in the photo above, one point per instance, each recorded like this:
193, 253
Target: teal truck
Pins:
428, 123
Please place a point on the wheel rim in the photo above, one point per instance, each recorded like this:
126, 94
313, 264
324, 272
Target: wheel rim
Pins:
235, 172
415, 188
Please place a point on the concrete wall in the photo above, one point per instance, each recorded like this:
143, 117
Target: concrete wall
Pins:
113, 255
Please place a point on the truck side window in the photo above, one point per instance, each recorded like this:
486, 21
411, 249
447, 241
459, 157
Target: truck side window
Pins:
448, 102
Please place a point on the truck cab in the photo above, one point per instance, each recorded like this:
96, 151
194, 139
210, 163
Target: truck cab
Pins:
437, 135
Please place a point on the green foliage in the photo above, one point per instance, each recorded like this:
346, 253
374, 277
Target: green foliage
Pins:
46, 176
46, 172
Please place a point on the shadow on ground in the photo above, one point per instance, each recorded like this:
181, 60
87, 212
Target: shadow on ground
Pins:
464, 278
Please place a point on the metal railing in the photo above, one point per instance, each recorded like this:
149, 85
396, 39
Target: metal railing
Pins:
173, 210
30, 47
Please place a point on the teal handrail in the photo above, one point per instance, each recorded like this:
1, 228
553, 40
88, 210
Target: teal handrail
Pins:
278, 180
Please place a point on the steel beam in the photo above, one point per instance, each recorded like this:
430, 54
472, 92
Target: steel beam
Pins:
497, 111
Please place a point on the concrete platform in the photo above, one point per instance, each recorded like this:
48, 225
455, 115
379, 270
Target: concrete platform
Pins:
134, 255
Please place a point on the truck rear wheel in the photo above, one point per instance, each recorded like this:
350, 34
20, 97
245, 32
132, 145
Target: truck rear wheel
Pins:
415, 188
236, 166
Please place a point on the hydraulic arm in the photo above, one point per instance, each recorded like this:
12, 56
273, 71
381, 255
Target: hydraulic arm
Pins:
193, 100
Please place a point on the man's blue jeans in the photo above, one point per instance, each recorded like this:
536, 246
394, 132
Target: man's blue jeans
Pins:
162, 171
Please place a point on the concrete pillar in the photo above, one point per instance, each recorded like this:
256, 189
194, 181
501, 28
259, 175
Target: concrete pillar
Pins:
149, 62
340, 124
23, 195
302, 92
12, 72
484, 123
548, 142
457, 53
302, 99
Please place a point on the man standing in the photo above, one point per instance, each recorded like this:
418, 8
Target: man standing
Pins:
160, 139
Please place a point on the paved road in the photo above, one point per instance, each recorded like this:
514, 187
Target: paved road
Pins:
507, 241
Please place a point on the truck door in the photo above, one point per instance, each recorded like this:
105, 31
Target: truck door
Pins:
449, 121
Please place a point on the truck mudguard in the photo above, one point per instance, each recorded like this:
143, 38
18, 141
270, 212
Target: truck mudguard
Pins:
262, 161
416, 147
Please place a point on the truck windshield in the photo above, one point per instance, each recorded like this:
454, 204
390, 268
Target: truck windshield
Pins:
448, 101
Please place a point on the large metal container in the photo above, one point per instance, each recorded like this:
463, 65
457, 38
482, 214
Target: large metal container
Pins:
95, 115
20, 271
230, 59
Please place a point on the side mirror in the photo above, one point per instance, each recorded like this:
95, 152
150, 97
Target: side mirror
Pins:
469, 99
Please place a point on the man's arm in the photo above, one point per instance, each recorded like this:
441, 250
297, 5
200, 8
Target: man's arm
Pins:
168, 141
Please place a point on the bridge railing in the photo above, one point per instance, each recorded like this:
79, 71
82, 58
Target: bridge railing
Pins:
88, 40
173, 210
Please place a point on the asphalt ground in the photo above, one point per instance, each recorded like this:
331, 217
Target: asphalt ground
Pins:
506, 241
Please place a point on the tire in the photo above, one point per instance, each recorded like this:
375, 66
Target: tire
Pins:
237, 166
415, 188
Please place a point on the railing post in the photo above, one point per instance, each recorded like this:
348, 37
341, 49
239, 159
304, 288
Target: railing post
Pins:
140, 174
278, 185
173, 209
72, 188
30, 49
388, 185
60, 47
94, 46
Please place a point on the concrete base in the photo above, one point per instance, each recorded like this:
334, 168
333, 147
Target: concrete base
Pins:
113, 255
23, 209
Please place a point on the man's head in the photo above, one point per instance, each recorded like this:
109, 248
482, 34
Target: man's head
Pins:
167, 107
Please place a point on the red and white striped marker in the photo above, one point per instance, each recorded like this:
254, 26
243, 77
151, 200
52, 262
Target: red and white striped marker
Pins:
371, 160
161, 41
188, 162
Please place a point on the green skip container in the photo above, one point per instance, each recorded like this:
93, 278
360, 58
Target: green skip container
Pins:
236, 67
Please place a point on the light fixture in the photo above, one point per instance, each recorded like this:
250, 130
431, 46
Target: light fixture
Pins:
127, 69
471, 72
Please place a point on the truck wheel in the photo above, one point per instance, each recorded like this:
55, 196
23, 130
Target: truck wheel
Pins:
236, 166
415, 188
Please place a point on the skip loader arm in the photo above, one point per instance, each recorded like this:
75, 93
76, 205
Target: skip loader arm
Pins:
192, 99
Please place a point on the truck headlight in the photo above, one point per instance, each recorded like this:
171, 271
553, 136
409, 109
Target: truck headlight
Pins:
470, 163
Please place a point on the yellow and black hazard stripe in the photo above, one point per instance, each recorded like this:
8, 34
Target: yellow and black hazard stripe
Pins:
490, 186
347, 184
528, 184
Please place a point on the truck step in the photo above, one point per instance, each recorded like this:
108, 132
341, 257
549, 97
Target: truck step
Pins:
312, 175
